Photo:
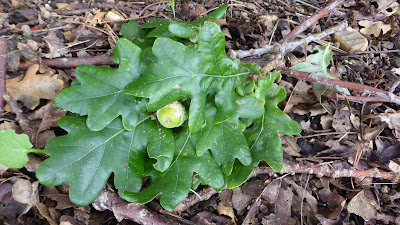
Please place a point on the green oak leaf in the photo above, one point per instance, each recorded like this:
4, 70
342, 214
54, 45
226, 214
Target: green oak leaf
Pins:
264, 141
14, 149
227, 143
183, 72
239, 175
98, 92
318, 64
86, 158
189, 30
175, 183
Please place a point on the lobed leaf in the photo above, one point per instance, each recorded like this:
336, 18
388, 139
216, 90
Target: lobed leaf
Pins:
318, 63
99, 91
175, 183
264, 141
183, 72
86, 158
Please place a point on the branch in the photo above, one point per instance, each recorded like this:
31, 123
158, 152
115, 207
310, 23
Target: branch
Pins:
3, 55
122, 209
193, 199
326, 170
353, 86
310, 21
70, 62
288, 46
22, 121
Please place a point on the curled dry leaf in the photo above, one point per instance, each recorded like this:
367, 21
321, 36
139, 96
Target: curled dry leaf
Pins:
374, 28
393, 121
34, 87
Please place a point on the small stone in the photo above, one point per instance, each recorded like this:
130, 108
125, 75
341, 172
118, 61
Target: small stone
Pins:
351, 40
26, 30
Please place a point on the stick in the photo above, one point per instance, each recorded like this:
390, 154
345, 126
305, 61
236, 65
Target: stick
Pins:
310, 21
332, 82
23, 122
193, 199
288, 46
3, 54
325, 170
122, 209
70, 62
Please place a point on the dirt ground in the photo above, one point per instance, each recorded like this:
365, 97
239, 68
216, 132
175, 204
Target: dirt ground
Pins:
342, 169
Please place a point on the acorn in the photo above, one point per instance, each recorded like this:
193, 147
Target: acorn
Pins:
172, 115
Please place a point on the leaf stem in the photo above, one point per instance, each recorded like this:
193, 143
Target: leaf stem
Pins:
34, 150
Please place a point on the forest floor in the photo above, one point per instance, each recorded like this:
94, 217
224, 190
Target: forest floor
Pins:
343, 168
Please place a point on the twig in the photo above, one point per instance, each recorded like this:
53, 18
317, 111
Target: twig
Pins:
325, 170
288, 46
70, 62
122, 209
310, 21
193, 199
332, 82
394, 86
358, 99
3, 54
23, 122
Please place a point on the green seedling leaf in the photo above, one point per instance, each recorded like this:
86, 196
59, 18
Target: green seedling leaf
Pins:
175, 183
318, 64
99, 91
183, 72
86, 158
264, 141
14, 149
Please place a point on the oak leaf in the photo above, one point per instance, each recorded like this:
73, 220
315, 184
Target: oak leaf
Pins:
34, 87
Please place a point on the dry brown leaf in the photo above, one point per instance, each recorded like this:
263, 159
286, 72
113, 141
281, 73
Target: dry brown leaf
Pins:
49, 115
34, 87
393, 121
239, 200
387, 7
226, 210
56, 46
374, 28
52, 218
290, 146
362, 206
97, 18
8, 125
25, 192
341, 121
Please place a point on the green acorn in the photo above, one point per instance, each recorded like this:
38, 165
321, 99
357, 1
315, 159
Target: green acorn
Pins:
172, 115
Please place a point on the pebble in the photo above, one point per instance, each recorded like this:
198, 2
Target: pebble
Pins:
351, 40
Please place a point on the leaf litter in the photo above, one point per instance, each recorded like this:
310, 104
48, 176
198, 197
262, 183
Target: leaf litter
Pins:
338, 135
